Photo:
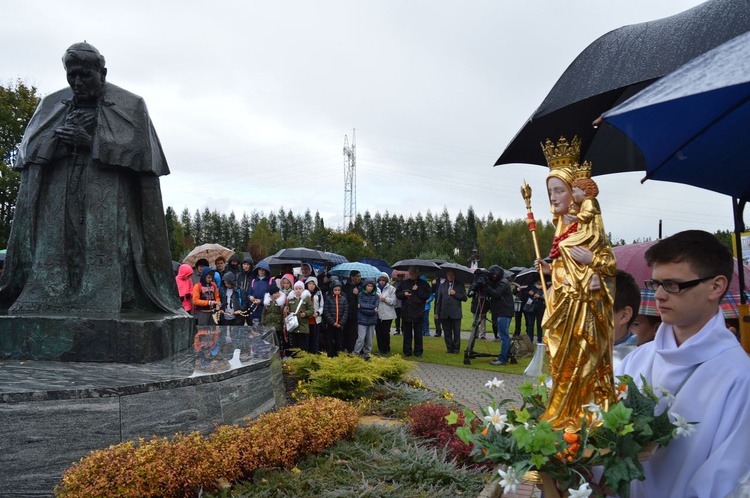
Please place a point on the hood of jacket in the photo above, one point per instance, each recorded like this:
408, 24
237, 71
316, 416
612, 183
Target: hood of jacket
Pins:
262, 264
185, 272
207, 270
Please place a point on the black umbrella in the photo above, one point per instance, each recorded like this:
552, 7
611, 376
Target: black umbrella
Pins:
692, 125
301, 254
423, 265
514, 270
614, 67
464, 275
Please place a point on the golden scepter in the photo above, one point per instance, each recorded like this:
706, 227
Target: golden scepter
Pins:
531, 222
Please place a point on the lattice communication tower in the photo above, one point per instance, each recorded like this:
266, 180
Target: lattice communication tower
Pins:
350, 181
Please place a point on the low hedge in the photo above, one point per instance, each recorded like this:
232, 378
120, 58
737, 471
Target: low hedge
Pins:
189, 463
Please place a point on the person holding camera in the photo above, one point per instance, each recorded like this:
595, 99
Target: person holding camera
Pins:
501, 304
413, 293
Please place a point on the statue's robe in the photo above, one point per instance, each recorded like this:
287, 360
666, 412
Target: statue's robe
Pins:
89, 234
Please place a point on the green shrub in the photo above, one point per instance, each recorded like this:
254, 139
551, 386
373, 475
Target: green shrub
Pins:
345, 376
189, 463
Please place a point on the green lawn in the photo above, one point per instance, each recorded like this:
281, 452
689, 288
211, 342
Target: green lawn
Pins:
434, 352
434, 347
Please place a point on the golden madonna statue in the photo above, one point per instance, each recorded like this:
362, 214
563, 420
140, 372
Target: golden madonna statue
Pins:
579, 318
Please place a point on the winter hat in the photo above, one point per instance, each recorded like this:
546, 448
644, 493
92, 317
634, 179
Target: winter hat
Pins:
299, 285
369, 280
273, 288
229, 278
289, 278
311, 279
335, 283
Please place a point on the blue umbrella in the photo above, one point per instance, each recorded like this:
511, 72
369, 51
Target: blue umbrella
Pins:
691, 126
380, 264
344, 269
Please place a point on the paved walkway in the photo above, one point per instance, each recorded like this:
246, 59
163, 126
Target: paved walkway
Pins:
466, 384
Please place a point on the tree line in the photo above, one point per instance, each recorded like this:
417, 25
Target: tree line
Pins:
387, 236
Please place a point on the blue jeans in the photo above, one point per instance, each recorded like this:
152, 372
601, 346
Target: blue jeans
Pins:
503, 328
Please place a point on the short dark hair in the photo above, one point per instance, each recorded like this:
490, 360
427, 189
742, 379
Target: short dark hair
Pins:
627, 293
354, 273
705, 254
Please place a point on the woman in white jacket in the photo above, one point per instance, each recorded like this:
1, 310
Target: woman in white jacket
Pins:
386, 313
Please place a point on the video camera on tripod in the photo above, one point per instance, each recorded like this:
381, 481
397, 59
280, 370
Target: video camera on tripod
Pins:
481, 278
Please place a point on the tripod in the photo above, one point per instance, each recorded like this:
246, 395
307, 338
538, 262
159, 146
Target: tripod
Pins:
478, 317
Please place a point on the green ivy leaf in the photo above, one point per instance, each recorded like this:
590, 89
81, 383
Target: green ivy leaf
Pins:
452, 418
617, 416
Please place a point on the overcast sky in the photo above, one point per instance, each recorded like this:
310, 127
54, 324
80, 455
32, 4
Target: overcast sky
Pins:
252, 99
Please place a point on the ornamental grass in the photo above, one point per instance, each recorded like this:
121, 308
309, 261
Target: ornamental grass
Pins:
188, 464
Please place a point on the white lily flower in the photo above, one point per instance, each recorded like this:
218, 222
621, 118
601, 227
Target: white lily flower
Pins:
664, 393
681, 426
496, 418
594, 408
583, 491
493, 383
509, 480
510, 427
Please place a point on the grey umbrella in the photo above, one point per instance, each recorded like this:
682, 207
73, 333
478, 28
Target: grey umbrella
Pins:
614, 67
464, 275
424, 265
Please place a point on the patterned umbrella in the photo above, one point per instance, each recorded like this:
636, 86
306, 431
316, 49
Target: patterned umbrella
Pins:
344, 269
728, 304
209, 252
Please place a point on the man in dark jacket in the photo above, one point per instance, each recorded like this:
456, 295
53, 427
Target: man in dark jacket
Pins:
501, 303
413, 293
448, 298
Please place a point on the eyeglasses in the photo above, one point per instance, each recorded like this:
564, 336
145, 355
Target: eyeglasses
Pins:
672, 287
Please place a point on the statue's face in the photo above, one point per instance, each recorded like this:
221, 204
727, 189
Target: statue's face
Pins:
560, 195
85, 81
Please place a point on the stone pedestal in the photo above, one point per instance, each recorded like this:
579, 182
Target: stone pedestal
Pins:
53, 413
124, 338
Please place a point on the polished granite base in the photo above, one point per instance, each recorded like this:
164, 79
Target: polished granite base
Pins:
54, 413
124, 338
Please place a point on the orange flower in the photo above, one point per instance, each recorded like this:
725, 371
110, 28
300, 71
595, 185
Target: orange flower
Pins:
571, 437
486, 430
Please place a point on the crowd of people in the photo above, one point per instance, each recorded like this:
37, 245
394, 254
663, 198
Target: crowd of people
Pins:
335, 314
332, 314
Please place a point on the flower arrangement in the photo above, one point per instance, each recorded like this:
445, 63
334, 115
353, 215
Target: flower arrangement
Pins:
617, 442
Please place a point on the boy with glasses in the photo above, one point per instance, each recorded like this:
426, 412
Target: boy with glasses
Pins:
703, 367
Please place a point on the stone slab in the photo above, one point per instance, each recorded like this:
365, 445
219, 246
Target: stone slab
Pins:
125, 338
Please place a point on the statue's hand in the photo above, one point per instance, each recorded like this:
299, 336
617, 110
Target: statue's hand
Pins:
543, 266
595, 283
74, 135
582, 255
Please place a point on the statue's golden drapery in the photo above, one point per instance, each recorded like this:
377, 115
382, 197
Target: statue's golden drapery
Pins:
579, 317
